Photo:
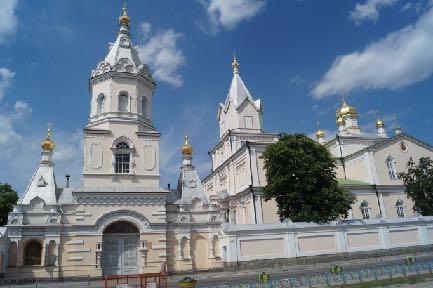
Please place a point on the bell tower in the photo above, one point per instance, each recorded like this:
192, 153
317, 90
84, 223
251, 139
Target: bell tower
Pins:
121, 146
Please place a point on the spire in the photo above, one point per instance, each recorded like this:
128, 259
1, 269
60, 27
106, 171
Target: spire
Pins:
124, 18
43, 183
189, 184
235, 65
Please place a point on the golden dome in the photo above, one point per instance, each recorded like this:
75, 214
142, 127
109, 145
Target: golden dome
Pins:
320, 134
124, 18
379, 123
47, 143
186, 148
340, 121
346, 110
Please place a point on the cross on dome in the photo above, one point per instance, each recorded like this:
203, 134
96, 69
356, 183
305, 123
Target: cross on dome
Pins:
235, 65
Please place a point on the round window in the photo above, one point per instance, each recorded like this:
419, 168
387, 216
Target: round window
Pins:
403, 146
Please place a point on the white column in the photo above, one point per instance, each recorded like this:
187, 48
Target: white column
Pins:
382, 205
253, 211
259, 212
179, 250
341, 241
424, 239
293, 252
384, 235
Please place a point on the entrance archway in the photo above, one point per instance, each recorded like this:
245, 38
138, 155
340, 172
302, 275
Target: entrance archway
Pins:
120, 243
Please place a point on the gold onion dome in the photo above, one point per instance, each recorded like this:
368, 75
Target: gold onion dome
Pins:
379, 123
124, 18
340, 121
346, 110
186, 148
47, 143
320, 134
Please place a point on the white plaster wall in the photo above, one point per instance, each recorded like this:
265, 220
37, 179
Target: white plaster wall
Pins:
249, 242
401, 158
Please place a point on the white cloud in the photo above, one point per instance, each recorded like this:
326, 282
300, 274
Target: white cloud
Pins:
400, 59
229, 13
170, 158
9, 116
19, 144
162, 53
369, 11
8, 19
6, 77
407, 6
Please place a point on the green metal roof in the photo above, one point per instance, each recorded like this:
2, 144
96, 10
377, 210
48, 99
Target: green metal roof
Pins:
351, 182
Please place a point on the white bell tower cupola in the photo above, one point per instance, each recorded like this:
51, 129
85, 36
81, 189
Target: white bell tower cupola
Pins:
121, 145
121, 86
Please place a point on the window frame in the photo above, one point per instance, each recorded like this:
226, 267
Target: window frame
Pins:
252, 122
122, 158
123, 95
390, 165
399, 206
100, 104
365, 210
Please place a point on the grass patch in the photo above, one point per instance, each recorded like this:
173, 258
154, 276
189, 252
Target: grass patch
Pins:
413, 279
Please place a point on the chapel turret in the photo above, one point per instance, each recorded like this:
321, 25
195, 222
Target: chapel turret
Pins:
240, 112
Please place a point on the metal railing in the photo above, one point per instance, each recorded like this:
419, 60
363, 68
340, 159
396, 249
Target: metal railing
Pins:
345, 277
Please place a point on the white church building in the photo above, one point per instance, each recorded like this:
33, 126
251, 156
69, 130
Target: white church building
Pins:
120, 221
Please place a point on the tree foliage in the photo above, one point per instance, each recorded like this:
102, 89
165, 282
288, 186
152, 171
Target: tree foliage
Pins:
419, 184
301, 177
8, 197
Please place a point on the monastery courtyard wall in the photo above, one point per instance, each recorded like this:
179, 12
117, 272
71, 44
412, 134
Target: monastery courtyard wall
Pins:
285, 244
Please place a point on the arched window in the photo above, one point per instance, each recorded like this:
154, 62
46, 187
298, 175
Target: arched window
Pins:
123, 157
123, 103
399, 205
100, 104
365, 210
32, 253
144, 107
390, 164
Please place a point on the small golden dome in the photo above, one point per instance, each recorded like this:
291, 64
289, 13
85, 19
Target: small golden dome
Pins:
320, 134
379, 123
340, 121
186, 148
346, 110
124, 18
47, 143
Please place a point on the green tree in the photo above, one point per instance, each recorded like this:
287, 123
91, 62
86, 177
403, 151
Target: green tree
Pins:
301, 177
8, 197
419, 184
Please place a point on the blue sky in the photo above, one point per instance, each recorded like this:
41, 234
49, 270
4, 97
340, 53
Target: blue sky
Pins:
298, 56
